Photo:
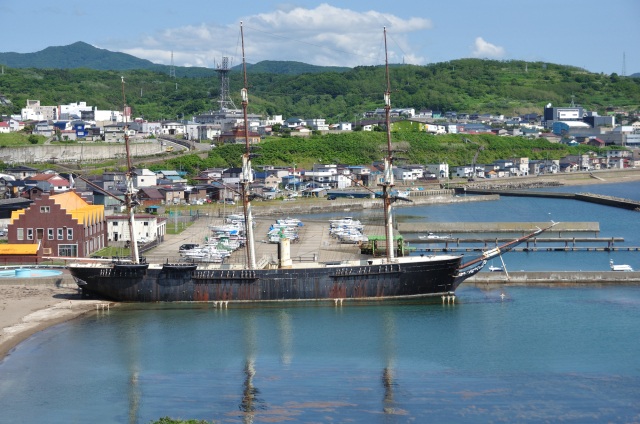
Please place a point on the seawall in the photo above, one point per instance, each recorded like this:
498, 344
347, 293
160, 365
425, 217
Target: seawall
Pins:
66, 153
554, 278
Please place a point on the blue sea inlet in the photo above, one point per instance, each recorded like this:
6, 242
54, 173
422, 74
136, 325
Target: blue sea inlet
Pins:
532, 355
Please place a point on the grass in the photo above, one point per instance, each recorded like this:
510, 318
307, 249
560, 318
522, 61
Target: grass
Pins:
15, 139
113, 251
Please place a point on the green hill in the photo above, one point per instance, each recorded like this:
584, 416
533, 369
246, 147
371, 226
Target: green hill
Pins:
288, 68
358, 148
466, 85
83, 55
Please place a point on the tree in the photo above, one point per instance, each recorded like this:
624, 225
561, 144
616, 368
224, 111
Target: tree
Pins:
33, 139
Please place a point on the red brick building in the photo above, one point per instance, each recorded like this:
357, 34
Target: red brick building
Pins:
61, 224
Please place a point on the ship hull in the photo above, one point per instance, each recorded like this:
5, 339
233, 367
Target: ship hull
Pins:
363, 282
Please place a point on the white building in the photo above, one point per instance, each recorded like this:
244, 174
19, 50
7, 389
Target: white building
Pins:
441, 170
146, 228
435, 129
35, 112
73, 110
144, 178
317, 124
272, 120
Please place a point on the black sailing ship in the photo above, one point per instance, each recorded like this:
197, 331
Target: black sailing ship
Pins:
385, 278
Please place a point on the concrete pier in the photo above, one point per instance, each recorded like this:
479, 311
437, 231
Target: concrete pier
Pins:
554, 278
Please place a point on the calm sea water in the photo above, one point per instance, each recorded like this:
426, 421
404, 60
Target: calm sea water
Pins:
536, 355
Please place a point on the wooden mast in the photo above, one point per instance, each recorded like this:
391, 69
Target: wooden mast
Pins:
387, 184
247, 175
128, 196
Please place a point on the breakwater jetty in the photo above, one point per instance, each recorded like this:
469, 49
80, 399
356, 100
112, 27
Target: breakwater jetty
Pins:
554, 278
585, 197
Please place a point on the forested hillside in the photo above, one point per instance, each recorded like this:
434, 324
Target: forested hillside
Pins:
468, 85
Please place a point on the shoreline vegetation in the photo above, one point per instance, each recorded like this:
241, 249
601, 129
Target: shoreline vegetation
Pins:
28, 308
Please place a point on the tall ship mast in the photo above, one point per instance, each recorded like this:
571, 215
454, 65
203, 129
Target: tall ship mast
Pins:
130, 192
375, 279
247, 173
387, 184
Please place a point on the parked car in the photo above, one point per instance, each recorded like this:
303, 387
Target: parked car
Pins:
188, 246
331, 197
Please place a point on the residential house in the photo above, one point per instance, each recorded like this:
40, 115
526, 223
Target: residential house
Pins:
44, 128
294, 123
150, 196
172, 176
209, 131
441, 170
317, 124
596, 142
57, 183
417, 171
342, 126
196, 195
361, 175
4, 128
172, 128
144, 178
146, 227
402, 174
237, 136
582, 162
301, 132
173, 195
61, 224
231, 176
79, 129
114, 133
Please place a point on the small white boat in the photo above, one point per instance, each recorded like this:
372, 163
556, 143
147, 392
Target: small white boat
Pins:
431, 236
495, 268
625, 268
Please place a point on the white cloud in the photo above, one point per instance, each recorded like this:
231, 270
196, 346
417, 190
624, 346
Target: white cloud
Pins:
326, 35
484, 49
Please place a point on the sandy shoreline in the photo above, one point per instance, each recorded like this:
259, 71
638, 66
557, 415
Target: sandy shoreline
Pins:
28, 308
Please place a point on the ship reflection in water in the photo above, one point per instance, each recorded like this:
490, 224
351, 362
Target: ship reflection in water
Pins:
486, 358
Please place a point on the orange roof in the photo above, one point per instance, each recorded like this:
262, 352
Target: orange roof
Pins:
18, 249
75, 206
80, 210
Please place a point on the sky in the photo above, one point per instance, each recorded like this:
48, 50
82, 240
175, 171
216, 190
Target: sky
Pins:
599, 36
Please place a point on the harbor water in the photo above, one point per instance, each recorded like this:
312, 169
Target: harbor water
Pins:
508, 354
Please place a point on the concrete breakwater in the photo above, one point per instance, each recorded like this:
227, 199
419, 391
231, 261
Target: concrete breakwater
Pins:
554, 278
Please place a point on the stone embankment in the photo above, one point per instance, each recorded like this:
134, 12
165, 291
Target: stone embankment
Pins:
513, 185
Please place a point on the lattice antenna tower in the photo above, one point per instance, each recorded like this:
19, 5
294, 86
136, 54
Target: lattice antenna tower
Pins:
624, 64
172, 68
226, 102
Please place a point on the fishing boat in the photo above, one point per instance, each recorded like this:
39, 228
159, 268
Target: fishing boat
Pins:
261, 280
620, 267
